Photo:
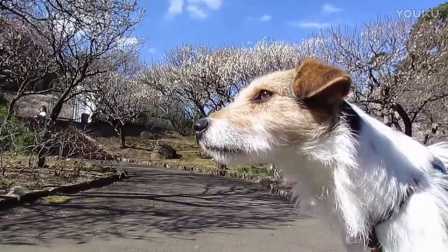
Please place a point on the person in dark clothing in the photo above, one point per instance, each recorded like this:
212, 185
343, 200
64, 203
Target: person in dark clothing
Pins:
43, 111
41, 118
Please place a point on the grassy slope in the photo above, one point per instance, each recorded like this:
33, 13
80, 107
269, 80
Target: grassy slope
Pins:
141, 149
55, 173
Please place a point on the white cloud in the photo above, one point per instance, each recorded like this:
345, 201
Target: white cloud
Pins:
211, 4
175, 7
329, 8
196, 12
266, 18
313, 25
196, 8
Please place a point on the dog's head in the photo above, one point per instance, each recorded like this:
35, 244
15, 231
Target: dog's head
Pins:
280, 110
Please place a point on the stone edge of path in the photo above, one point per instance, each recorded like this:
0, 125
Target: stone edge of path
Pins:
8, 202
272, 186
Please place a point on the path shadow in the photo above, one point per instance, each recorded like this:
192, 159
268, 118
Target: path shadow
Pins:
168, 202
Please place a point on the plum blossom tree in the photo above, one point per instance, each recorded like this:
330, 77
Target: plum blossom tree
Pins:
122, 98
397, 69
77, 34
25, 64
204, 79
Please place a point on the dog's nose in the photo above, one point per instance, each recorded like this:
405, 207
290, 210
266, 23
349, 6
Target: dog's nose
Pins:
200, 126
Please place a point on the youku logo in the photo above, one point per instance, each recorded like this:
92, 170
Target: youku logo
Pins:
410, 13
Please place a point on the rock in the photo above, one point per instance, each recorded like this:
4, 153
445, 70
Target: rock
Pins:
166, 151
155, 156
17, 192
145, 135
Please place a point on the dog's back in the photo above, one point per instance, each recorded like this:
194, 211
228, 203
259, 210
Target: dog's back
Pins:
403, 187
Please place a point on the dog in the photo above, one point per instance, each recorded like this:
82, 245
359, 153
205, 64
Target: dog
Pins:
376, 187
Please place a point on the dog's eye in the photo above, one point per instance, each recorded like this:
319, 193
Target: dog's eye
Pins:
263, 95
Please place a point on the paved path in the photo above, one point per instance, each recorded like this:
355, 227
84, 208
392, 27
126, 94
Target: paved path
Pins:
165, 210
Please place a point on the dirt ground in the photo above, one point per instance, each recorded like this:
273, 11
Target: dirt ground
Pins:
16, 171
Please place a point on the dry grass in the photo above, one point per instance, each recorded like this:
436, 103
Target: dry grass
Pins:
55, 173
59, 172
55, 199
141, 149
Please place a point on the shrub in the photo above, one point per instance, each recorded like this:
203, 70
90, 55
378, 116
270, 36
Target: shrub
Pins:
14, 135
3, 100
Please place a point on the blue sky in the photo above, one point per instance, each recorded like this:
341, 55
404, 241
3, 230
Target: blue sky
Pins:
168, 23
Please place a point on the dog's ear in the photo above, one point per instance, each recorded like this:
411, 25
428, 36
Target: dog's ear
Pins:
319, 84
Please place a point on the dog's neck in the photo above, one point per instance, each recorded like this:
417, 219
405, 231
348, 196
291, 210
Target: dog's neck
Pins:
338, 169
318, 163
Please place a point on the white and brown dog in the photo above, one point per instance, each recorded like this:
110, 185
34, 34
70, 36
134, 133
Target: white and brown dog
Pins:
378, 187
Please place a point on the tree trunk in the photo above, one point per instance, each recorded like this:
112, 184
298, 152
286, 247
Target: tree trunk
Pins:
41, 157
1, 162
405, 117
40, 161
11, 107
200, 107
428, 136
386, 120
122, 135
57, 109
58, 106
43, 145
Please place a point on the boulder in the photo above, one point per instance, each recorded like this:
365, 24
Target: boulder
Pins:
145, 135
155, 156
166, 151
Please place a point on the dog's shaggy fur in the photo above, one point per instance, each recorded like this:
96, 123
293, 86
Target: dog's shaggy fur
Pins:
352, 171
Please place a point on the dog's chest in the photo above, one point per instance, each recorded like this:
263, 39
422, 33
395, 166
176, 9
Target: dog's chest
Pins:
328, 190
315, 185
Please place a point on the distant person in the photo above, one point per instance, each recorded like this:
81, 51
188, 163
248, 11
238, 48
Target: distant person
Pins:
43, 112
42, 116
